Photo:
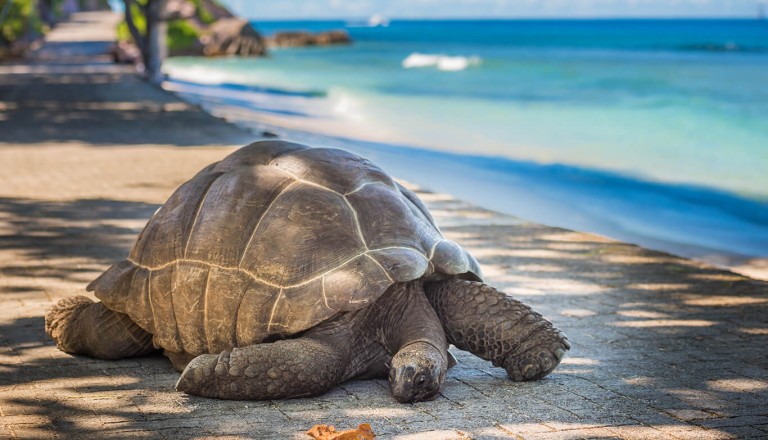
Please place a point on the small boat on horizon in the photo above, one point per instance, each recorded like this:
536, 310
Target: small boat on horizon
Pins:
377, 20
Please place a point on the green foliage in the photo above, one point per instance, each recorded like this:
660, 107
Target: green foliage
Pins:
203, 13
123, 34
21, 19
181, 35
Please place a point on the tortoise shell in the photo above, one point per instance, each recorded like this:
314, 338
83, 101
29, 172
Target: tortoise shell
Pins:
271, 241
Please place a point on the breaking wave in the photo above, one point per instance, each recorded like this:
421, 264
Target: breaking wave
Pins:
441, 62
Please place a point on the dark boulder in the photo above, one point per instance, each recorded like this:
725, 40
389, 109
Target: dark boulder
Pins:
232, 36
304, 38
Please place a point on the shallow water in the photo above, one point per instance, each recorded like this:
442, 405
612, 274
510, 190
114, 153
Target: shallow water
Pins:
649, 131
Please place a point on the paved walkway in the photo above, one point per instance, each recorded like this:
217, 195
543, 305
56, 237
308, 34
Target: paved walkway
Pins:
662, 347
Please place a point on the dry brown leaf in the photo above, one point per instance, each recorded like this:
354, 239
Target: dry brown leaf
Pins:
326, 432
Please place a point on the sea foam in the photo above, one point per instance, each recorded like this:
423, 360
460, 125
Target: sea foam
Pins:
442, 62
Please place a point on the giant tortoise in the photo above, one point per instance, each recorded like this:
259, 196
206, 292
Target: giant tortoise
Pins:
283, 270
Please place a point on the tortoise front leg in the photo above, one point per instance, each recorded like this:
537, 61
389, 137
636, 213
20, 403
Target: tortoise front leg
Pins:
480, 319
307, 366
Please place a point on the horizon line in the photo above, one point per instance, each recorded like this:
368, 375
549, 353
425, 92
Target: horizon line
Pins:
526, 18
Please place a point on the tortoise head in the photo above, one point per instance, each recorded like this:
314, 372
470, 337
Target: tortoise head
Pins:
417, 372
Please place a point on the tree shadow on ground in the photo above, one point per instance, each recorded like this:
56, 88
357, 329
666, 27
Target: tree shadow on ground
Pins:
108, 106
661, 346
49, 249
98, 229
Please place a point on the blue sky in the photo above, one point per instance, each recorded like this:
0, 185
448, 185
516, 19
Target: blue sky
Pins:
289, 9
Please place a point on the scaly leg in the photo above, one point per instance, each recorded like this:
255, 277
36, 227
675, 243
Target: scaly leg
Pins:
307, 366
480, 319
81, 326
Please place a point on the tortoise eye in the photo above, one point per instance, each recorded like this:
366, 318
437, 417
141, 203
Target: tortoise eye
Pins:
419, 380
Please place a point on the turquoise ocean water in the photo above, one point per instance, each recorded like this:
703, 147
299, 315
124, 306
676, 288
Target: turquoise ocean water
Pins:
651, 131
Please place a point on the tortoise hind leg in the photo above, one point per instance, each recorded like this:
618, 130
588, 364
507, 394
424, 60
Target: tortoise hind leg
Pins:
81, 326
480, 319
307, 366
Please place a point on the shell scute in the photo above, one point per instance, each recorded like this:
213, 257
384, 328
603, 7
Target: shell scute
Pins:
255, 154
172, 223
387, 220
402, 264
336, 170
234, 205
188, 307
138, 304
354, 284
418, 206
161, 296
253, 313
297, 309
306, 233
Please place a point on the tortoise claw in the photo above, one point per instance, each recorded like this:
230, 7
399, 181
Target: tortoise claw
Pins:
537, 362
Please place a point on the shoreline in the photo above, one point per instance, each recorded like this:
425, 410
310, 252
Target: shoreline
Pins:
497, 182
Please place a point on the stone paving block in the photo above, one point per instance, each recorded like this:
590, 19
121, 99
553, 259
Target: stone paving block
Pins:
746, 405
569, 400
108, 433
744, 432
198, 407
555, 435
372, 392
75, 425
652, 417
601, 417
26, 419
31, 432
733, 421
5, 430
179, 423
639, 432
19, 402
222, 437
690, 432
688, 415
307, 419
261, 415
490, 432
595, 394
431, 429
522, 429
701, 399
442, 434
223, 424
470, 423
602, 432
121, 418
157, 405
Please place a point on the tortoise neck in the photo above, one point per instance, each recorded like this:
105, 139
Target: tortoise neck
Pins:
407, 318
